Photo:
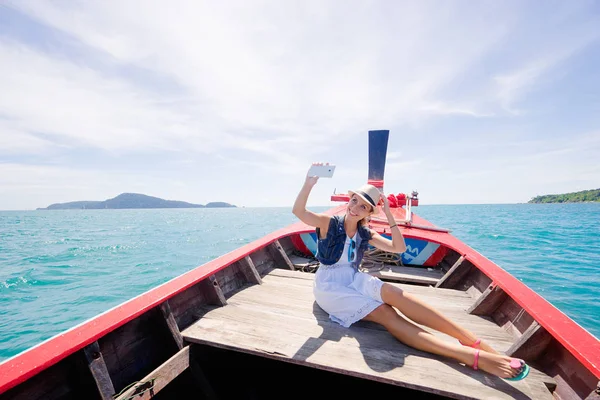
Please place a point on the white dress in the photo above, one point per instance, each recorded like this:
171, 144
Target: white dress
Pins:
345, 293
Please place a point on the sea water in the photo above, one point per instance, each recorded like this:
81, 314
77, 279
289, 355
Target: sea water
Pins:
60, 268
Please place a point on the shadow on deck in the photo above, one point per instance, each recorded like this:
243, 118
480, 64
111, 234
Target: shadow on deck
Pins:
280, 320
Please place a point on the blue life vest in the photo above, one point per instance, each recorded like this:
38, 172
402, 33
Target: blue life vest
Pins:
329, 250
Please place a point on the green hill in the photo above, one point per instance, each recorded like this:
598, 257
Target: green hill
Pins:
575, 197
130, 200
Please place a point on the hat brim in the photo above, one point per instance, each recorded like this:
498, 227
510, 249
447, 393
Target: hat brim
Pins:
365, 197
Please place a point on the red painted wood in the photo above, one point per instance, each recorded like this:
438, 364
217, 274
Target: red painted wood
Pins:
27, 364
579, 342
340, 197
436, 257
299, 245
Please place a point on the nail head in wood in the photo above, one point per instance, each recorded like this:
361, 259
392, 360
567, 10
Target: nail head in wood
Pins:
219, 293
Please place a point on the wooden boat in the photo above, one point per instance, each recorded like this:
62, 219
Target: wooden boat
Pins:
245, 325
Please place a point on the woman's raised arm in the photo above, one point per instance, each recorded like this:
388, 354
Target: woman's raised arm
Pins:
397, 244
300, 211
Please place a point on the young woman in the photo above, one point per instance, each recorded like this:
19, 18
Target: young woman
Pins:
348, 295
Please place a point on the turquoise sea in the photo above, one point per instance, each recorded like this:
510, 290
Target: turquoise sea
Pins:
60, 268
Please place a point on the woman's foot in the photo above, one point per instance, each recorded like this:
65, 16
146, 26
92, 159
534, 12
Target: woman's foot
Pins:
479, 344
496, 364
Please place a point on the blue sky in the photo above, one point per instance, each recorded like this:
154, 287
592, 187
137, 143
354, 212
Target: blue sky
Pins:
486, 102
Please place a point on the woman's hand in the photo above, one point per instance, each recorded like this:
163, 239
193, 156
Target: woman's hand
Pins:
312, 180
386, 203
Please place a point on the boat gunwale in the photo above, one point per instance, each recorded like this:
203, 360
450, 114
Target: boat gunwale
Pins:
34, 360
27, 364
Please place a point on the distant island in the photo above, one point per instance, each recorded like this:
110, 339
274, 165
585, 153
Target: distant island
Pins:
131, 200
575, 197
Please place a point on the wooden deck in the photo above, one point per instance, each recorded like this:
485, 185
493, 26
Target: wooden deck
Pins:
408, 274
279, 319
419, 275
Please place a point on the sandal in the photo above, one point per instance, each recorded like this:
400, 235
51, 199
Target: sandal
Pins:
475, 345
476, 362
519, 365
514, 364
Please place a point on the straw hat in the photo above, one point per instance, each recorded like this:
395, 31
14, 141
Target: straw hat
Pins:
369, 193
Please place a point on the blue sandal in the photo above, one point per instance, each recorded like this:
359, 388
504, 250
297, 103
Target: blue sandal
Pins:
519, 364
514, 364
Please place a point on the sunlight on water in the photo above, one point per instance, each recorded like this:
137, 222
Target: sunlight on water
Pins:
60, 268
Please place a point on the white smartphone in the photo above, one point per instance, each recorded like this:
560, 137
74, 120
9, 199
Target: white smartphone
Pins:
322, 171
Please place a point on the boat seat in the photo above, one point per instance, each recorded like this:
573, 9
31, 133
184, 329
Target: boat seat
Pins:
411, 274
279, 319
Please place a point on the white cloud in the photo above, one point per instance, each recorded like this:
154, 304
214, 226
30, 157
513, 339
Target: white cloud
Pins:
264, 87
76, 105
13, 141
564, 43
293, 70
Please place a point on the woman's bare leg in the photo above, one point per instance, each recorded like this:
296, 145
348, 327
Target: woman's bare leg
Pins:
424, 314
414, 336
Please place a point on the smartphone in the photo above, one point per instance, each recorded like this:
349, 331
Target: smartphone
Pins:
322, 171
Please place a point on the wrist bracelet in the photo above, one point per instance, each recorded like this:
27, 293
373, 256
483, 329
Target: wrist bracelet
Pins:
393, 226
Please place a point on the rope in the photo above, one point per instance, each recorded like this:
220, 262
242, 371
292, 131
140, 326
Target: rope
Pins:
310, 267
376, 259
136, 394
373, 260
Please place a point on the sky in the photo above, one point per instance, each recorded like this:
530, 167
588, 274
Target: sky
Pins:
486, 102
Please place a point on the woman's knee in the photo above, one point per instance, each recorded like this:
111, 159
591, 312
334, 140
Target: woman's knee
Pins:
388, 290
382, 314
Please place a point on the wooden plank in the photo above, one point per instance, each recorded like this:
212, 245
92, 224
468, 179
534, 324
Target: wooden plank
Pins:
165, 308
531, 344
280, 255
154, 382
282, 276
595, 395
283, 294
283, 273
262, 260
360, 352
183, 304
512, 317
488, 332
452, 277
407, 274
489, 301
574, 380
305, 294
448, 297
289, 295
247, 266
218, 292
99, 371
231, 278
302, 261
298, 301
122, 349
475, 279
